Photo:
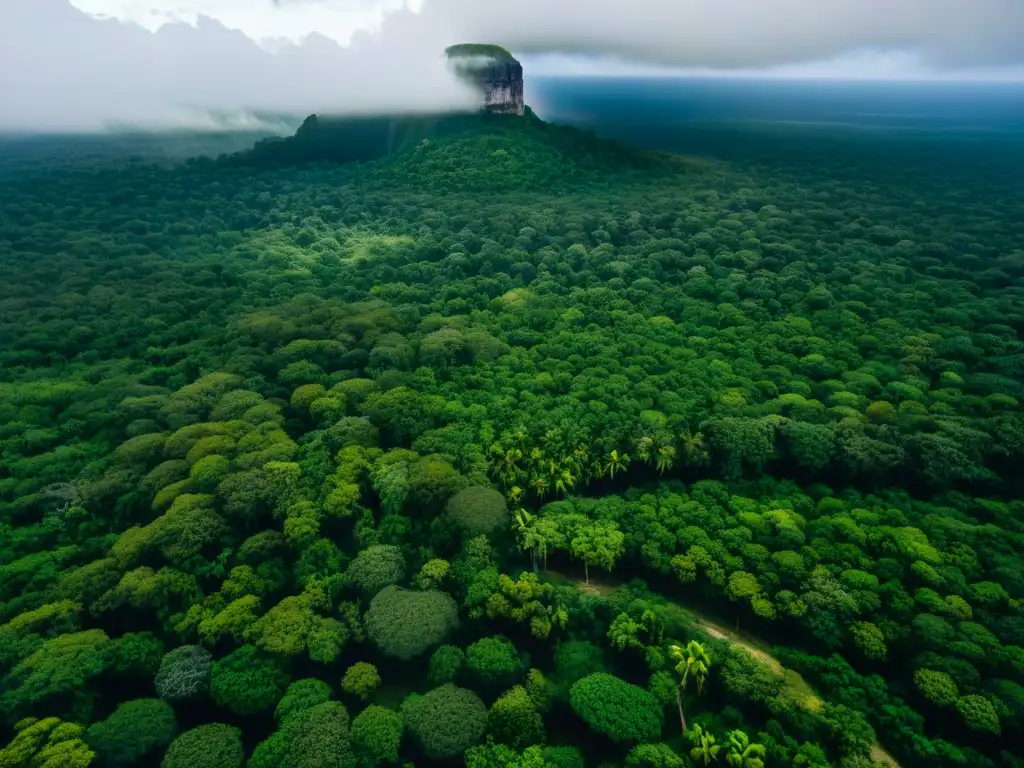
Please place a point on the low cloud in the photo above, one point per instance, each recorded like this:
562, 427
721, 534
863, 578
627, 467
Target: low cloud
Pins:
740, 33
62, 70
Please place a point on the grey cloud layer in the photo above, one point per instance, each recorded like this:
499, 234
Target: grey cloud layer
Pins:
741, 33
62, 70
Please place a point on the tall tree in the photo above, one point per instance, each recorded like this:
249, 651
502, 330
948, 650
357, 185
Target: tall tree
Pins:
522, 523
599, 542
692, 663
742, 586
614, 462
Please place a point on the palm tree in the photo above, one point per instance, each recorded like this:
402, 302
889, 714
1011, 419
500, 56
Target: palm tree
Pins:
692, 662
579, 456
664, 458
564, 481
743, 754
515, 494
522, 521
508, 465
540, 486
616, 462
553, 439
694, 448
535, 458
705, 748
644, 447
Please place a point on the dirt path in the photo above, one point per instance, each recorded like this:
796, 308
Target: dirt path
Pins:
880, 755
719, 632
795, 685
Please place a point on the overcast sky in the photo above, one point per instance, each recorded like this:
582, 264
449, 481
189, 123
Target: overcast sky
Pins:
160, 63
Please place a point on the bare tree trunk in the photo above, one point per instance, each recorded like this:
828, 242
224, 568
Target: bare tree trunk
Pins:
679, 703
586, 572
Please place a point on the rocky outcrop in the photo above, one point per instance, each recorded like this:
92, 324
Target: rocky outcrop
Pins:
503, 87
495, 72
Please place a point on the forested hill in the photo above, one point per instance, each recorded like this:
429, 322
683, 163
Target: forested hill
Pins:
465, 149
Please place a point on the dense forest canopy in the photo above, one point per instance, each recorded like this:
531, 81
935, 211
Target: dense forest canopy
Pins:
512, 448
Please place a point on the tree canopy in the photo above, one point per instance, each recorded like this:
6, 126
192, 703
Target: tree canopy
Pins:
405, 624
615, 708
445, 721
512, 444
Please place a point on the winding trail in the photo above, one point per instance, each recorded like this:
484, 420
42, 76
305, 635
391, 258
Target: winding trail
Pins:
795, 685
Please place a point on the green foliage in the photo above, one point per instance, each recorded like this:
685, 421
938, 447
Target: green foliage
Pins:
619, 710
514, 720
525, 600
375, 568
315, 736
491, 755
478, 49
213, 745
432, 574
663, 685
361, 679
377, 735
445, 664
300, 695
653, 756
493, 661
978, 713
791, 379
598, 543
742, 753
445, 721
705, 749
869, 639
937, 687
576, 659
479, 510
184, 673
135, 729
405, 624
293, 626
61, 666
248, 680
563, 757
539, 689
137, 654
692, 663
47, 743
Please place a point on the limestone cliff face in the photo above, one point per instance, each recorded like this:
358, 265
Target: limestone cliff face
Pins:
503, 88
495, 72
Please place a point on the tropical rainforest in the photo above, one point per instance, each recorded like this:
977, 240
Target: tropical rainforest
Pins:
505, 446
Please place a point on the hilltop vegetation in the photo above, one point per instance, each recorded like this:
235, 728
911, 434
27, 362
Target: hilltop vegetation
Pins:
292, 450
480, 50
478, 152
